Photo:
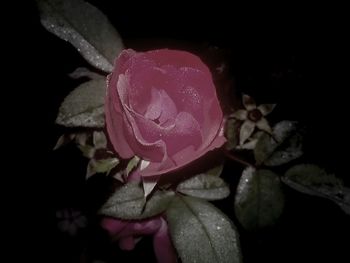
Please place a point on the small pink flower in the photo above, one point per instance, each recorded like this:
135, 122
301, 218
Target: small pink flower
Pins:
128, 233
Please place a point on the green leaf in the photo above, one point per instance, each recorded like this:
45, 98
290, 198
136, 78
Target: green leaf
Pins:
232, 128
99, 140
128, 202
101, 166
84, 72
311, 179
132, 164
84, 106
259, 198
205, 186
85, 27
202, 233
88, 151
283, 146
216, 171
63, 140
82, 138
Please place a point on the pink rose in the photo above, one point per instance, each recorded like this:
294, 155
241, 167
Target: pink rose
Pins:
162, 106
127, 232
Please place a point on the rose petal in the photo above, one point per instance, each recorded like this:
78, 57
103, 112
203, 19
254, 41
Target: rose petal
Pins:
113, 226
163, 247
247, 129
115, 122
161, 107
147, 227
184, 132
152, 150
212, 124
154, 109
176, 58
123, 61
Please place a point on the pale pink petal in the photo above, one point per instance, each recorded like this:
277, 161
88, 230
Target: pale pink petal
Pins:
266, 108
263, 125
247, 129
123, 61
115, 122
154, 109
213, 122
176, 58
183, 158
163, 247
169, 111
184, 155
151, 150
249, 102
240, 115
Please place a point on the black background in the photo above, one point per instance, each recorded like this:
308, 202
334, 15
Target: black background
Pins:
282, 55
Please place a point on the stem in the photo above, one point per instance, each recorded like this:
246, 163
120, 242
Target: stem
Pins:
237, 159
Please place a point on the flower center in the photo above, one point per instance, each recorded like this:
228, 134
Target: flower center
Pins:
254, 115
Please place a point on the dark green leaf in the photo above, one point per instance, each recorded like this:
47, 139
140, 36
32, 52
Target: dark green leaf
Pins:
63, 140
259, 199
101, 166
232, 127
128, 202
132, 164
85, 27
216, 171
205, 186
202, 233
99, 140
88, 151
283, 146
84, 106
311, 179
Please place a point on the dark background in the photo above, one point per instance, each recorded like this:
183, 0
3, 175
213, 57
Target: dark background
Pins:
282, 55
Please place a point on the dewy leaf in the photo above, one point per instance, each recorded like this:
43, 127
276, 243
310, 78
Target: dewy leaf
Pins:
101, 166
63, 140
205, 186
202, 233
84, 72
128, 202
99, 140
88, 151
132, 164
259, 199
85, 27
311, 179
283, 146
216, 171
84, 106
